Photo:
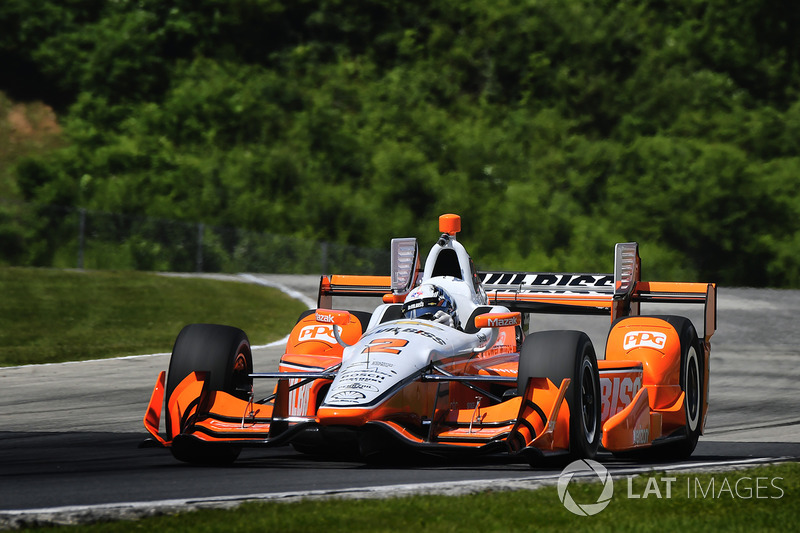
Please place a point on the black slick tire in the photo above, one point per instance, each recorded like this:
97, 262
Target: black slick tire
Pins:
557, 355
224, 352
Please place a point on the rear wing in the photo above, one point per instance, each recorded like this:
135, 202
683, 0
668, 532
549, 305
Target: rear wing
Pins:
343, 285
619, 294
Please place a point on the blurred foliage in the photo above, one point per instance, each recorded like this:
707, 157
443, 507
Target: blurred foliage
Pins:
554, 127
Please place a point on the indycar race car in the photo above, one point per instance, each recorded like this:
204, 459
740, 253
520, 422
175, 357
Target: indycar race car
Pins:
448, 364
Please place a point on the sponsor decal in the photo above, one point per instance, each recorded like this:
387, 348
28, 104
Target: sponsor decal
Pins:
351, 396
426, 334
645, 339
498, 322
358, 386
617, 393
641, 436
371, 363
324, 318
317, 332
393, 330
414, 331
298, 398
554, 280
362, 376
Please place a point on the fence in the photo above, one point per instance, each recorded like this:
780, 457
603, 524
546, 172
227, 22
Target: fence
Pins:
67, 237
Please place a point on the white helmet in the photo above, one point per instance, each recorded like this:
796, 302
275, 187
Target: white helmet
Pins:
430, 302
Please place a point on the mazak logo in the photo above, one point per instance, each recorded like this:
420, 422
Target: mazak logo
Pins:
584, 467
328, 319
498, 322
645, 339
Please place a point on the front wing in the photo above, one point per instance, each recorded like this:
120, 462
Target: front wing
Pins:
533, 424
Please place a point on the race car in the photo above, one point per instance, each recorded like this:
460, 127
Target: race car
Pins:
447, 363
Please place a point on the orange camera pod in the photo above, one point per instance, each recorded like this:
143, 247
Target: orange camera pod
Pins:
450, 224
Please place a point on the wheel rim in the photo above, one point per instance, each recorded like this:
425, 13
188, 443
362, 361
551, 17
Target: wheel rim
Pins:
240, 373
692, 390
587, 405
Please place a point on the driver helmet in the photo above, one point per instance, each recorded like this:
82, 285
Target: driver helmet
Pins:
430, 302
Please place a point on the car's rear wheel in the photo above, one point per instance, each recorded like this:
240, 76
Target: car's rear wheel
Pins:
557, 355
682, 443
691, 380
224, 353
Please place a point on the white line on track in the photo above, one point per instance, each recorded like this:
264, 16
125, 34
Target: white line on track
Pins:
134, 510
297, 295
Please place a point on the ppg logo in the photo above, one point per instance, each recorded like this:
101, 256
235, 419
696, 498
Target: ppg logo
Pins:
317, 333
645, 339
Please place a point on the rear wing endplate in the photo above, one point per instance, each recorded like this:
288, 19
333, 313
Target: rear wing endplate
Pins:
405, 271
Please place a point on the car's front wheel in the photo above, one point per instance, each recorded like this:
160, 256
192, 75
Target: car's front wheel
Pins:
557, 355
224, 353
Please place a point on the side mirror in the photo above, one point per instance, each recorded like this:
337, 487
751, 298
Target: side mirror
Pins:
495, 321
335, 319
498, 320
329, 316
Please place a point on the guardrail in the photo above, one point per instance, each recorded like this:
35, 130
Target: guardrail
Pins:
69, 237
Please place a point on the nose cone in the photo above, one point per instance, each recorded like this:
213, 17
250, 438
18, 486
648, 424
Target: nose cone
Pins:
343, 416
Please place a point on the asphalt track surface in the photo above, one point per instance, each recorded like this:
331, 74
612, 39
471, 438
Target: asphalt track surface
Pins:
70, 433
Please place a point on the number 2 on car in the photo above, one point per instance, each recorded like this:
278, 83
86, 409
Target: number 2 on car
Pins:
391, 346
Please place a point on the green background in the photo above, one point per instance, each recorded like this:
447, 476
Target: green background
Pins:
554, 127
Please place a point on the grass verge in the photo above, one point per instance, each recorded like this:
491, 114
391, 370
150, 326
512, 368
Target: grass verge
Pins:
757, 499
51, 316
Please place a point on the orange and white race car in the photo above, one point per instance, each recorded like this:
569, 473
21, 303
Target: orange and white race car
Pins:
445, 365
